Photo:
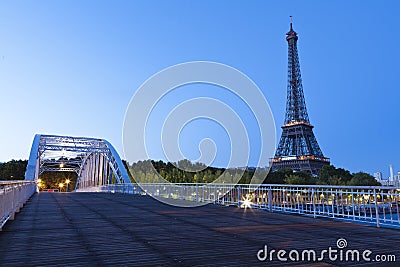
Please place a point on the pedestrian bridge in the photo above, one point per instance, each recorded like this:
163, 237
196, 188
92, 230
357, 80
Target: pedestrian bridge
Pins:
115, 229
99, 168
95, 161
110, 221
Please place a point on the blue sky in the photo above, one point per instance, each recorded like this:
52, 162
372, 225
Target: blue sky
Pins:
71, 68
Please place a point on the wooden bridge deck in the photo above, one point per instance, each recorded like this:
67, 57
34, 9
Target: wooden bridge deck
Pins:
99, 229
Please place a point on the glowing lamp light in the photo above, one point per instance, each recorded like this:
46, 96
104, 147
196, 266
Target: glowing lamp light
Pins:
246, 203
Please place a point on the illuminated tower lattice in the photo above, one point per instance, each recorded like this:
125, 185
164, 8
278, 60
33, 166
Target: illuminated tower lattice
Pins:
298, 148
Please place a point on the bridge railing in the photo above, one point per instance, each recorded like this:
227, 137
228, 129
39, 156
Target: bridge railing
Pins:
13, 195
378, 206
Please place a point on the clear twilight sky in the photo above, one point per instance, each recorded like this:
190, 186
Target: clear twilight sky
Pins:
71, 67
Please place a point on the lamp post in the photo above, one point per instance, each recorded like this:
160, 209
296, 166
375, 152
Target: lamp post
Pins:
67, 182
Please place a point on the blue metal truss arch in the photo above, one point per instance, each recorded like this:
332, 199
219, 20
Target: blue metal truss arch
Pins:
95, 161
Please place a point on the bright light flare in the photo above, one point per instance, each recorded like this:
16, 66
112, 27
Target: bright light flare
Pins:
246, 203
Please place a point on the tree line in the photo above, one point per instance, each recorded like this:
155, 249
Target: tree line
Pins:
185, 171
157, 171
328, 175
13, 170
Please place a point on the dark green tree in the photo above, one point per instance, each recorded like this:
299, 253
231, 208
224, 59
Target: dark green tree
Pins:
362, 178
330, 175
13, 170
278, 177
300, 178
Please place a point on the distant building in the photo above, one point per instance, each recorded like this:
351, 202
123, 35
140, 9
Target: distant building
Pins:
378, 176
392, 180
391, 177
396, 178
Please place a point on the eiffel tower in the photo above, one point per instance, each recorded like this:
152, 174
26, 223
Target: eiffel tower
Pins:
298, 148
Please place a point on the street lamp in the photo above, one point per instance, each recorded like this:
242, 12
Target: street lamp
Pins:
67, 182
61, 185
39, 184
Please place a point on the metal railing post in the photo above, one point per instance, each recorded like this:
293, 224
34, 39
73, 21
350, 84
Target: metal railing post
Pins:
313, 202
270, 199
376, 209
181, 192
215, 194
197, 193
12, 213
332, 204
238, 196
